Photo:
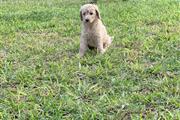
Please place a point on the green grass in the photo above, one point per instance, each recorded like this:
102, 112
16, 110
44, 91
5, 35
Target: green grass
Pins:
41, 76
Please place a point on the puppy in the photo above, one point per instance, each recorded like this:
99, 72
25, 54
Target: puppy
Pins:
93, 32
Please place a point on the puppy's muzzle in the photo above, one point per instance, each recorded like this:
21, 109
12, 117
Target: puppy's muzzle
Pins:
87, 20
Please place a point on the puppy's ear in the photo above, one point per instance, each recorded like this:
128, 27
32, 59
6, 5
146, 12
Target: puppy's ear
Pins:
97, 12
81, 15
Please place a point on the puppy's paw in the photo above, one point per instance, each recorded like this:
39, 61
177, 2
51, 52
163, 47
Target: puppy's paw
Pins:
80, 54
101, 51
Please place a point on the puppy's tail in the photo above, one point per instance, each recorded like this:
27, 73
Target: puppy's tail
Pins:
109, 41
111, 38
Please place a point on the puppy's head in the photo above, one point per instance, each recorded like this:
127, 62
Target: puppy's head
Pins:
89, 13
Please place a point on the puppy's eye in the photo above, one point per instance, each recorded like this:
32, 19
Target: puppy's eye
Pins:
91, 13
84, 13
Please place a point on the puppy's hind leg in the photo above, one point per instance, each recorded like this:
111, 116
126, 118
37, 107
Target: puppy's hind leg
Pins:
108, 42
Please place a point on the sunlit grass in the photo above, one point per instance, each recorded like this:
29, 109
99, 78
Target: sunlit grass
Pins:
41, 76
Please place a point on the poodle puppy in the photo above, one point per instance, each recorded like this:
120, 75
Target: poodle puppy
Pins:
93, 32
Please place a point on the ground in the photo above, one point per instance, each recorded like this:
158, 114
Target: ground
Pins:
42, 77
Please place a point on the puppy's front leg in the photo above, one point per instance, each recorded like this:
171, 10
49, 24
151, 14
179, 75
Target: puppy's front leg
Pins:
83, 47
100, 46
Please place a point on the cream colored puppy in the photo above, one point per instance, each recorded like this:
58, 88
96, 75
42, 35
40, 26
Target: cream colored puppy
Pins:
93, 32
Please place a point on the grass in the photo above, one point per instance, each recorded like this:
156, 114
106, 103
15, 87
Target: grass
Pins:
41, 76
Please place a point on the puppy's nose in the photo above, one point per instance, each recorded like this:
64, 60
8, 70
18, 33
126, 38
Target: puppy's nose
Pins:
87, 20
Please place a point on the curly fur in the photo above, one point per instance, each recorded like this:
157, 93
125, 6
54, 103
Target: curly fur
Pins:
93, 32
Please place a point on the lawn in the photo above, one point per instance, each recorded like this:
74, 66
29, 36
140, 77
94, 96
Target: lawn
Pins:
42, 77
